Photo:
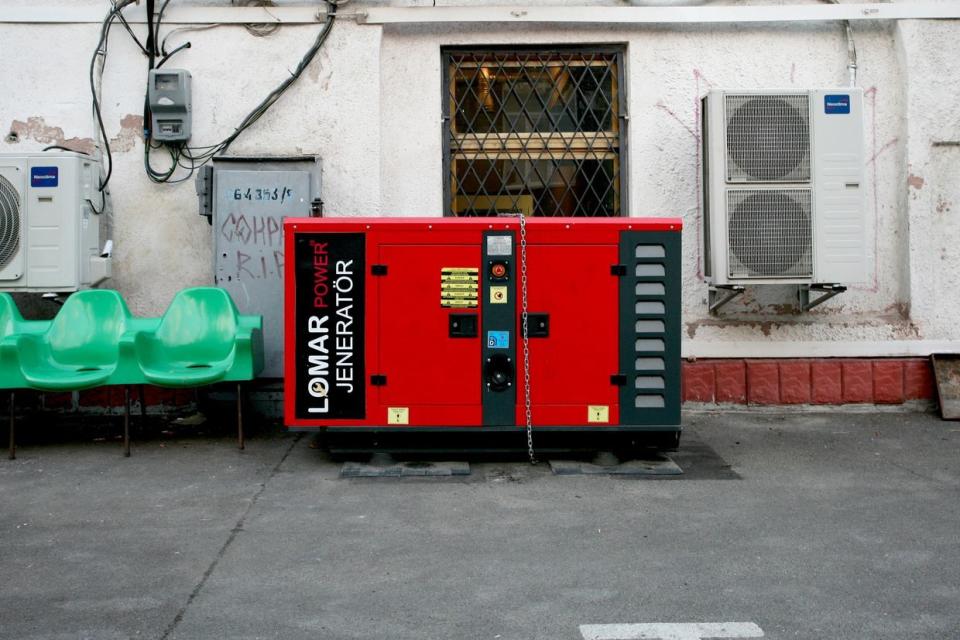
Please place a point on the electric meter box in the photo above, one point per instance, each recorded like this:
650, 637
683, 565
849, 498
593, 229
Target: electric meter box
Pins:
407, 324
169, 97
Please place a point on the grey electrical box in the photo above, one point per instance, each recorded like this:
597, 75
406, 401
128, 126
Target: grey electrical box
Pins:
168, 93
246, 199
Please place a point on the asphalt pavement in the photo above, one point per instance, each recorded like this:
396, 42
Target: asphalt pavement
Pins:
828, 526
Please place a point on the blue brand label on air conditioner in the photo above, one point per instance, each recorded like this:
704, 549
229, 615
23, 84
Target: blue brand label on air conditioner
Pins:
836, 104
44, 176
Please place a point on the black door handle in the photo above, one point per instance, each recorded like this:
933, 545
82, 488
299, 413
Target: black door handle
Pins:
538, 325
463, 325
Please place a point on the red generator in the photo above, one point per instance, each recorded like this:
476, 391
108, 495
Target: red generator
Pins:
405, 326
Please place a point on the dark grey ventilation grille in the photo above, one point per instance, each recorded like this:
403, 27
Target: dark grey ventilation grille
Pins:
9, 222
769, 233
650, 329
768, 138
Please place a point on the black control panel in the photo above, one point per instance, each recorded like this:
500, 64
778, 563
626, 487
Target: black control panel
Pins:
498, 305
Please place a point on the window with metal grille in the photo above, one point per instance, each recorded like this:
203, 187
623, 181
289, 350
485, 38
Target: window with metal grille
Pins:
534, 131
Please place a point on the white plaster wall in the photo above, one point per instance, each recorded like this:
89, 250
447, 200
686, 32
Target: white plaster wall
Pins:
370, 106
931, 194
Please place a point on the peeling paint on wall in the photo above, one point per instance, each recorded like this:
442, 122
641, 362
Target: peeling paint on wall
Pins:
36, 128
131, 130
915, 181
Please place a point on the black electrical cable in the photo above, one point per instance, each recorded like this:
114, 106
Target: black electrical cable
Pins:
94, 208
151, 57
151, 40
126, 25
274, 95
63, 148
190, 158
162, 50
181, 155
103, 198
101, 50
160, 176
185, 45
197, 156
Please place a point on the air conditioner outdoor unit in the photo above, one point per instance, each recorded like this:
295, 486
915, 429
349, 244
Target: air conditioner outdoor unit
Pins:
783, 188
49, 231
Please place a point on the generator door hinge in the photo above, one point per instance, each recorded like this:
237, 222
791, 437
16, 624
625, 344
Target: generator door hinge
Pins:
618, 379
618, 269
204, 187
378, 381
378, 269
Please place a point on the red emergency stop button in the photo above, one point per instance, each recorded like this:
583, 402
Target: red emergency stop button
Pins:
498, 270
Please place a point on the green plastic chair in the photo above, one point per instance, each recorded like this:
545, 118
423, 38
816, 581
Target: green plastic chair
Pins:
80, 349
10, 323
201, 339
10, 318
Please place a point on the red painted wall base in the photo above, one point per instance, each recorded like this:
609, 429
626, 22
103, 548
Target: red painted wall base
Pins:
824, 381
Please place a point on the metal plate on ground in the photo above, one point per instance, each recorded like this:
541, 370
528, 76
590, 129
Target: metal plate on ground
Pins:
946, 368
404, 470
660, 466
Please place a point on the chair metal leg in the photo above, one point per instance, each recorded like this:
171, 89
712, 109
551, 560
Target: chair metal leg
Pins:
143, 405
240, 442
126, 421
13, 425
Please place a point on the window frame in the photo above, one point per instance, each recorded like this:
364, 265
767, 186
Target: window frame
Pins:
618, 50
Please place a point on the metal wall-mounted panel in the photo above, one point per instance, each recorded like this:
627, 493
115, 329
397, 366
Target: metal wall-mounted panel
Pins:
248, 198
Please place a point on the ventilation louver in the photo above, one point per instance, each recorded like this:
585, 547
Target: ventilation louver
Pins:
10, 214
769, 233
768, 138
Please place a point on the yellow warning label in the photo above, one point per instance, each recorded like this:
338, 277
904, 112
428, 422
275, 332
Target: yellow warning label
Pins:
598, 413
398, 415
458, 287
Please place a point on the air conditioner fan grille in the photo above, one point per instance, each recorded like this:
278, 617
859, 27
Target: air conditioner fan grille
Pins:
769, 233
768, 138
9, 222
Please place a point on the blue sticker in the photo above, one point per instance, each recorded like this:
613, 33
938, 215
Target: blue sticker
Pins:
836, 104
498, 339
44, 176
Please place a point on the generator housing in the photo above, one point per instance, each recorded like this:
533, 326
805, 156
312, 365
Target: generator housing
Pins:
416, 324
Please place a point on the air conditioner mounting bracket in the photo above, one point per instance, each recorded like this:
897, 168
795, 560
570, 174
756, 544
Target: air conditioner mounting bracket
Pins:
719, 295
828, 290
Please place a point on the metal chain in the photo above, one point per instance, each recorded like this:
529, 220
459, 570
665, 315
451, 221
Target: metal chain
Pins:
526, 342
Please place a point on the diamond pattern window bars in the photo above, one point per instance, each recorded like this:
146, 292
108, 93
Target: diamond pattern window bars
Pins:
538, 132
